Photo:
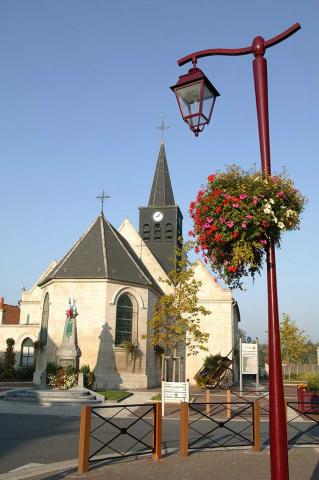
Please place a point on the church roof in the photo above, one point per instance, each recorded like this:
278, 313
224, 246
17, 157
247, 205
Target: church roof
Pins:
102, 252
162, 192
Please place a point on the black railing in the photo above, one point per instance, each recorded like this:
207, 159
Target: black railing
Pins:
262, 396
127, 431
303, 423
220, 424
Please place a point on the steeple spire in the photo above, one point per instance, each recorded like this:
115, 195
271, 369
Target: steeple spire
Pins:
162, 192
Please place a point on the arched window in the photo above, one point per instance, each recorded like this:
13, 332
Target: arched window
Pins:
157, 232
146, 231
168, 232
124, 320
44, 322
27, 353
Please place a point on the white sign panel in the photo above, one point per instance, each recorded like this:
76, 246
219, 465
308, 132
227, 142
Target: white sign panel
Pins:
249, 352
174, 392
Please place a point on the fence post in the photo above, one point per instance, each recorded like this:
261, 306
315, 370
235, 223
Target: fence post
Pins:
84, 443
207, 401
228, 406
256, 416
183, 437
157, 432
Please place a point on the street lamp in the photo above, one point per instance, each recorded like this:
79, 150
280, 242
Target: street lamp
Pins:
196, 97
277, 412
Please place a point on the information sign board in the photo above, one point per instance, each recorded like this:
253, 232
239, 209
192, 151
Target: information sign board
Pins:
174, 392
249, 352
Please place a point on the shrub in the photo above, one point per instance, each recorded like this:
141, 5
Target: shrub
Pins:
25, 373
9, 359
88, 376
52, 368
312, 382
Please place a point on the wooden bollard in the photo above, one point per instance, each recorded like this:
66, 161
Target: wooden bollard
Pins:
207, 401
157, 432
183, 437
84, 442
256, 444
228, 406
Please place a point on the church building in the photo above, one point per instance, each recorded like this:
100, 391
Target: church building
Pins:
115, 277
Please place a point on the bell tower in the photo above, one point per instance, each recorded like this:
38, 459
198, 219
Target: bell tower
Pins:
161, 221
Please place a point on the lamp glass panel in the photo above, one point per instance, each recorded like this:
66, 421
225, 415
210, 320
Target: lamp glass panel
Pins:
208, 102
189, 98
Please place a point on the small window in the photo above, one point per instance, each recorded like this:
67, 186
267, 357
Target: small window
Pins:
27, 353
168, 232
157, 232
124, 320
146, 231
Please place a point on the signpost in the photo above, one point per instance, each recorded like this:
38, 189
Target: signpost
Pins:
174, 392
248, 361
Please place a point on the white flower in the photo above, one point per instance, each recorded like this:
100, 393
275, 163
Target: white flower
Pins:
281, 225
271, 200
276, 220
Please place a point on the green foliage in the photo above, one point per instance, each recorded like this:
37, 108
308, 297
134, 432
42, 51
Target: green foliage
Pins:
88, 376
237, 214
25, 373
176, 317
293, 342
312, 380
52, 368
213, 367
9, 359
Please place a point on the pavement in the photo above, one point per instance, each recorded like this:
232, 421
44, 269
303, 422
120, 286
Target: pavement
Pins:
216, 465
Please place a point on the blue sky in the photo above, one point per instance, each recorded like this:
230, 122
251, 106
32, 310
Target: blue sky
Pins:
82, 86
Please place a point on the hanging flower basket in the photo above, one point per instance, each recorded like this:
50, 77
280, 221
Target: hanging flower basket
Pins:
236, 215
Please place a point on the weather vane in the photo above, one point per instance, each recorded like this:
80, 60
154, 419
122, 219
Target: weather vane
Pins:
162, 127
102, 197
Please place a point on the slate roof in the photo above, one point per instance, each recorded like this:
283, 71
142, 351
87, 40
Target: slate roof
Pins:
102, 252
162, 192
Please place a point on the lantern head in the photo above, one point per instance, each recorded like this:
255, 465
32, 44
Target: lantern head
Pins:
196, 97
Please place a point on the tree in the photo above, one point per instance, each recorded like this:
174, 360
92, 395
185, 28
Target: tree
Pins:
176, 316
293, 341
9, 359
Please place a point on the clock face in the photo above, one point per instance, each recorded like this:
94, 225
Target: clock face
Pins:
158, 216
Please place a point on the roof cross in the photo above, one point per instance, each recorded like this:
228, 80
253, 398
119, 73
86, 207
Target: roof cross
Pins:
102, 197
162, 127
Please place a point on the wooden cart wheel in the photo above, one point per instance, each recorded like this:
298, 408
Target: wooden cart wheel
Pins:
227, 379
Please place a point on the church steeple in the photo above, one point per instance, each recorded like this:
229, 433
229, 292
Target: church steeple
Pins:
162, 192
161, 220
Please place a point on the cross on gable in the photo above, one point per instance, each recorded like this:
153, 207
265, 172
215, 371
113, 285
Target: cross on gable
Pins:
102, 197
162, 127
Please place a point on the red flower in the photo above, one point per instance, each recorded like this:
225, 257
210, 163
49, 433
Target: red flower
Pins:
232, 269
218, 209
196, 249
235, 234
218, 237
211, 178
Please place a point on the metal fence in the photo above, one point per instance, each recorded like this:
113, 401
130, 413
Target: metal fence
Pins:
117, 431
303, 423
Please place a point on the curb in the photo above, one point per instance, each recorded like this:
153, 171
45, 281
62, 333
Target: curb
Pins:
31, 470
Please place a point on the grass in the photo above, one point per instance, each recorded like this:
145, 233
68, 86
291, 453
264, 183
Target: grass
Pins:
113, 394
157, 397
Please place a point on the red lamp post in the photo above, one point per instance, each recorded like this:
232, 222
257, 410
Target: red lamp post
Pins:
187, 103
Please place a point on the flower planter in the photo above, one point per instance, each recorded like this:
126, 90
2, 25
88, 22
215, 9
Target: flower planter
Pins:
308, 402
